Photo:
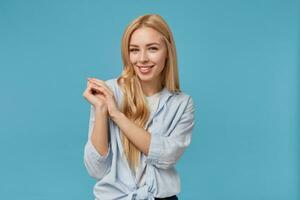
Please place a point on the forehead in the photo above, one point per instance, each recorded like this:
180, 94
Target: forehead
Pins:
145, 35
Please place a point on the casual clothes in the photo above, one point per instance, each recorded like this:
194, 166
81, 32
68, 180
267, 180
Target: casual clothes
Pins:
170, 124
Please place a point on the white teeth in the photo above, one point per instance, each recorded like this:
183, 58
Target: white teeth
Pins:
145, 69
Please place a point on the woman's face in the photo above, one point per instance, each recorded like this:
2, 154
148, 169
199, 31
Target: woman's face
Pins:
148, 54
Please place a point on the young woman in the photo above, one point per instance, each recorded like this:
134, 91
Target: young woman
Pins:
140, 123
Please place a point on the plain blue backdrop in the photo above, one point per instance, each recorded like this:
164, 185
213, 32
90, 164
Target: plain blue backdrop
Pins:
238, 59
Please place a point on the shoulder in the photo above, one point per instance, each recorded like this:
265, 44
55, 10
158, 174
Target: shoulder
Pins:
179, 108
182, 99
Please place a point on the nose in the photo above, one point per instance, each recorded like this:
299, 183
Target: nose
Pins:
143, 56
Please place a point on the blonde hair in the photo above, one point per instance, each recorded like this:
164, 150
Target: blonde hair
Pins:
134, 104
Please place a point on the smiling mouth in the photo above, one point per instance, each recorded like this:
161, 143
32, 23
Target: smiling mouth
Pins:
145, 67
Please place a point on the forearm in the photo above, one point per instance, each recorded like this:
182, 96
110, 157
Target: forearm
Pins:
99, 137
137, 135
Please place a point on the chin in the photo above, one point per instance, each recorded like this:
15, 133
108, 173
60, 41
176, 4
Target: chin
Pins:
146, 79
142, 78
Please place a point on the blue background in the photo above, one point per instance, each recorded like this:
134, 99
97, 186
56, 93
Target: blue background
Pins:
238, 59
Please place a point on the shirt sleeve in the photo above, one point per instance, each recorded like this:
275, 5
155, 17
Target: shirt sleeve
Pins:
164, 151
96, 164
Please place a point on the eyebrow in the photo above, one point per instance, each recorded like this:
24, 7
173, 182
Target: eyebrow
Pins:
146, 44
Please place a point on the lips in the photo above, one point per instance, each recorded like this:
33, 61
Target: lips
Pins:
145, 69
149, 66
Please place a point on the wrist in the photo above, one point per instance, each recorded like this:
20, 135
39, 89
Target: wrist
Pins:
101, 110
116, 115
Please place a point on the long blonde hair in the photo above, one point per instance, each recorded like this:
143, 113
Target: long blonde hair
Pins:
134, 104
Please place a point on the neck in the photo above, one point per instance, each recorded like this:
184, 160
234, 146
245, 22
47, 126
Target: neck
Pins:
151, 88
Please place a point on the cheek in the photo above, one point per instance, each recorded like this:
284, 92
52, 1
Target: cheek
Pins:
132, 58
158, 58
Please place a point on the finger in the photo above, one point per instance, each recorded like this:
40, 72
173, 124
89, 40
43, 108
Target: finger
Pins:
101, 83
89, 83
93, 90
101, 89
88, 91
101, 97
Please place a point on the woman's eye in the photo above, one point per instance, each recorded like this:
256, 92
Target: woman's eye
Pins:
153, 48
133, 50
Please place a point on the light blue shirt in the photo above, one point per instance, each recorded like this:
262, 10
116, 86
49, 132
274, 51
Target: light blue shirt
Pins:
171, 129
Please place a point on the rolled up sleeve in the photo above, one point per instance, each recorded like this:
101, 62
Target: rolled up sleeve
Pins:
164, 151
97, 165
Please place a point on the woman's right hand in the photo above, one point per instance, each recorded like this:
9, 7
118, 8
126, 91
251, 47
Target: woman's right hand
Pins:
95, 97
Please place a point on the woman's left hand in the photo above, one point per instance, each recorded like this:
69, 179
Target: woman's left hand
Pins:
108, 95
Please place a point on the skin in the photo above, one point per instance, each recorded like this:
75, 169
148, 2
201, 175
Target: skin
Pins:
142, 52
